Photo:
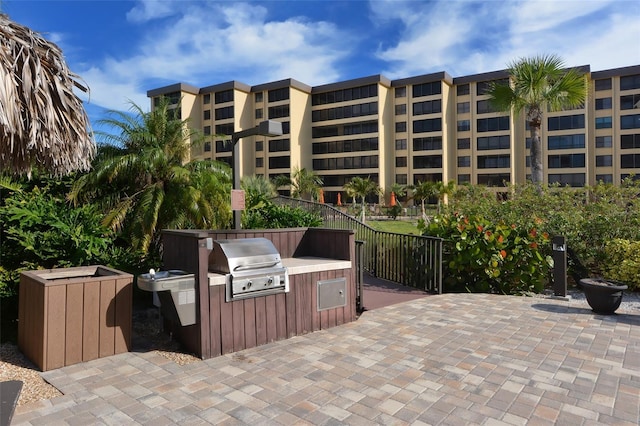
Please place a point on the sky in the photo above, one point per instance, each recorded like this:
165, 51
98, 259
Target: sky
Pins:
122, 49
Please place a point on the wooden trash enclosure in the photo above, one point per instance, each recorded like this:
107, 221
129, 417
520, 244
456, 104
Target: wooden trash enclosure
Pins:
71, 315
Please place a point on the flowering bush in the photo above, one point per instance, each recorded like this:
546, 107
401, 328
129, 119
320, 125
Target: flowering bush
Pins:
480, 256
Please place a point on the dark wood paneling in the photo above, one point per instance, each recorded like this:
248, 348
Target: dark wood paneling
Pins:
226, 327
272, 318
124, 314
281, 316
250, 323
107, 318
91, 323
238, 325
216, 298
261, 320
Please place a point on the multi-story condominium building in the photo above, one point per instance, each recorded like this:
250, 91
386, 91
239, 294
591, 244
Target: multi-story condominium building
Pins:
427, 128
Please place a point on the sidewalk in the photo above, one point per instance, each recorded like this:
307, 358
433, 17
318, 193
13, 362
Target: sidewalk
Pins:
444, 359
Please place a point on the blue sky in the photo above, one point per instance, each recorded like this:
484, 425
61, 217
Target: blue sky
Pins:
124, 48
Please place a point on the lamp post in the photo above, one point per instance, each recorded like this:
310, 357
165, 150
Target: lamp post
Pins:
265, 128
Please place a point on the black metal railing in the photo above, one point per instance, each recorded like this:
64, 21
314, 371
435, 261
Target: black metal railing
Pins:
411, 260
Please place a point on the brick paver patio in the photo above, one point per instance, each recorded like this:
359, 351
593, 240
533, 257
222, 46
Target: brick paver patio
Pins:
447, 359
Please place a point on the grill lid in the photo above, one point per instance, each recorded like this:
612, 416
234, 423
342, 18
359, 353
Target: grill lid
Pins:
244, 255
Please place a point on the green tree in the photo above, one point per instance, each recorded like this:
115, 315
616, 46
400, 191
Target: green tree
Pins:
305, 184
443, 191
536, 85
258, 191
143, 181
424, 191
361, 188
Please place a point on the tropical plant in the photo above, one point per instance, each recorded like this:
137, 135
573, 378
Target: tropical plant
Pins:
42, 121
443, 191
258, 191
272, 216
536, 85
143, 182
423, 191
305, 184
400, 190
361, 188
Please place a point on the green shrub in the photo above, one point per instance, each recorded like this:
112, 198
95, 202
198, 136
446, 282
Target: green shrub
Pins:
482, 256
268, 215
623, 262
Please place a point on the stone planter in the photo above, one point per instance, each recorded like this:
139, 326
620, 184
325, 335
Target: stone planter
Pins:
603, 296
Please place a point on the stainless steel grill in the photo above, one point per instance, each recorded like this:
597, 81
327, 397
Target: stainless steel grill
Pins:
252, 267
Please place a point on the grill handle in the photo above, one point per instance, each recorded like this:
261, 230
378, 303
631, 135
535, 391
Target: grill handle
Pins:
255, 266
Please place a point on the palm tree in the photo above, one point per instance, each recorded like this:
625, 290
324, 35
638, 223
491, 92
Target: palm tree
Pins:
142, 180
399, 189
258, 191
444, 190
305, 184
423, 191
42, 122
361, 187
536, 85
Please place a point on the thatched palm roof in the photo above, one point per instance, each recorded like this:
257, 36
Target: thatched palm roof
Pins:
42, 122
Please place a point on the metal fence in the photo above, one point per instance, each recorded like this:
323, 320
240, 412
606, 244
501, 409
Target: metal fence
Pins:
411, 260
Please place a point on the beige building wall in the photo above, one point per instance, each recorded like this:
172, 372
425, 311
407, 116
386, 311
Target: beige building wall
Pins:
611, 131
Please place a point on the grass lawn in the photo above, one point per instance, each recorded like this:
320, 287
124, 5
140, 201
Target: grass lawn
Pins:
396, 226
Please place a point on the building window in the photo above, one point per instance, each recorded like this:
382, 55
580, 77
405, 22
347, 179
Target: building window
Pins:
483, 87
432, 143
571, 179
429, 125
279, 145
401, 92
464, 143
604, 178
259, 113
224, 113
401, 161
566, 161
427, 161
630, 161
630, 82
427, 89
604, 141
565, 142
259, 162
401, 127
603, 122
206, 99
629, 141
358, 110
225, 96
484, 107
207, 146
259, 146
401, 109
224, 129
401, 179
603, 103
223, 146
494, 161
465, 178
603, 84
630, 101
206, 130
630, 121
494, 142
494, 179
207, 114
492, 124
401, 144
276, 95
350, 94
427, 107
464, 125
279, 111
464, 161
604, 160
463, 107
258, 97
462, 89
280, 162
566, 122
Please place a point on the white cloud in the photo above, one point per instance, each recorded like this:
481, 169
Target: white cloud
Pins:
147, 10
465, 38
212, 43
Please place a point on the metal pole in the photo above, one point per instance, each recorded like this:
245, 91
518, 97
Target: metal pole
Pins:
559, 244
235, 164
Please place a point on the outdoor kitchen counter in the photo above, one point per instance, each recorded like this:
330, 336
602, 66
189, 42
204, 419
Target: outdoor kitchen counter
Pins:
295, 266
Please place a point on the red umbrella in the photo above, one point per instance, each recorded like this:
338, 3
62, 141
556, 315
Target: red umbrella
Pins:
339, 200
393, 199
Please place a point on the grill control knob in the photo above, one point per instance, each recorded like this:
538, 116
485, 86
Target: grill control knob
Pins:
269, 281
249, 284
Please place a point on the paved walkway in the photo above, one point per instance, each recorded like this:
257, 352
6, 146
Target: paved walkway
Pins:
447, 359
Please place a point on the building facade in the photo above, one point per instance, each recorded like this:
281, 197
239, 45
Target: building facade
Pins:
426, 128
